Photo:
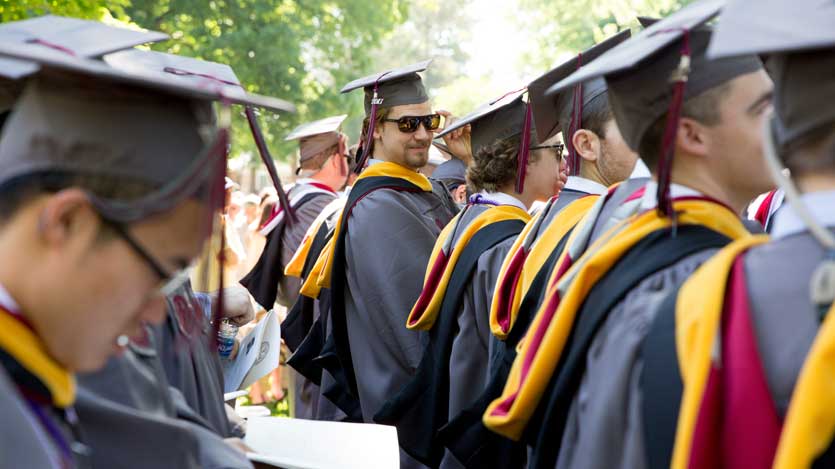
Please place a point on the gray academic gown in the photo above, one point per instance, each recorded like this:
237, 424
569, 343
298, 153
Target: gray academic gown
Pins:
24, 443
191, 365
468, 360
387, 246
785, 322
305, 393
131, 418
604, 428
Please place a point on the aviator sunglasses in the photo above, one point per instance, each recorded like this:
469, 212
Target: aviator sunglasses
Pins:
410, 124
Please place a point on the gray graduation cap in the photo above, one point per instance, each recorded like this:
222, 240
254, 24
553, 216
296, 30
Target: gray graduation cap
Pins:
316, 137
651, 74
498, 120
801, 49
213, 75
395, 87
68, 36
153, 64
83, 116
554, 112
451, 172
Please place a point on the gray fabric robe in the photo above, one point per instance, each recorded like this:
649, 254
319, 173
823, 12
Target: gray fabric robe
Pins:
184, 345
132, 419
23, 442
389, 239
604, 428
785, 321
471, 348
305, 393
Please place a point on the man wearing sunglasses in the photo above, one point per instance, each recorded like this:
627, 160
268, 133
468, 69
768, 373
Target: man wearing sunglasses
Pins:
382, 243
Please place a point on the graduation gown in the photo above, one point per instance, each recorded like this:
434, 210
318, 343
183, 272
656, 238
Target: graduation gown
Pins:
39, 428
381, 246
759, 399
130, 420
593, 322
306, 325
191, 364
519, 291
453, 306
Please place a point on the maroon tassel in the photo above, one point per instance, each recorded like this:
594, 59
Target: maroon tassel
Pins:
524, 149
372, 121
52, 45
665, 162
575, 125
264, 151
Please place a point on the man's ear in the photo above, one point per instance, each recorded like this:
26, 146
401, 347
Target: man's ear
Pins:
692, 137
66, 214
586, 144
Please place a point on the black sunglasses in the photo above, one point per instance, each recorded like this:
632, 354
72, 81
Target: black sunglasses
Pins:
410, 124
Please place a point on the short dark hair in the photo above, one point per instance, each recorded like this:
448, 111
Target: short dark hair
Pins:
382, 113
596, 113
495, 165
18, 191
703, 108
813, 153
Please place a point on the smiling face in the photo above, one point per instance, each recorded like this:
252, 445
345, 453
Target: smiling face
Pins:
99, 286
406, 149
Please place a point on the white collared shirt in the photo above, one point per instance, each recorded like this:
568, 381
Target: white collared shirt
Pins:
502, 198
650, 201
581, 184
7, 301
820, 204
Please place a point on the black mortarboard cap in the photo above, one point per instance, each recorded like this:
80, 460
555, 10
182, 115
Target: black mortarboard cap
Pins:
497, 120
451, 171
395, 87
799, 37
650, 75
553, 111
124, 119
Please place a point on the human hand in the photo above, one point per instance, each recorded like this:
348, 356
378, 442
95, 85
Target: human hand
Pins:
458, 141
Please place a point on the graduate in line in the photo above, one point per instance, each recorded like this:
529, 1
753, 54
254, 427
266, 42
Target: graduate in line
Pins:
695, 121
751, 332
600, 158
509, 171
94, 217
382, 242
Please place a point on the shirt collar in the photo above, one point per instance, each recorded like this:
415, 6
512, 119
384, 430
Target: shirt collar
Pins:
650, 200
788, 223
7, 301
581, 184
502, 198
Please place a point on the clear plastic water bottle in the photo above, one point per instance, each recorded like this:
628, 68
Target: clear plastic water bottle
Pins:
226, 338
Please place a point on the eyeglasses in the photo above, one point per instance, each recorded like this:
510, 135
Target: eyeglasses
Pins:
557, 146
410, 124
170, 282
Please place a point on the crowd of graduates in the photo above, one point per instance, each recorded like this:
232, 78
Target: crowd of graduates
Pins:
629, 262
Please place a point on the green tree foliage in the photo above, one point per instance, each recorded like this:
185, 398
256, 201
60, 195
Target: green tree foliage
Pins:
14, 10
299, 50
568, 27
